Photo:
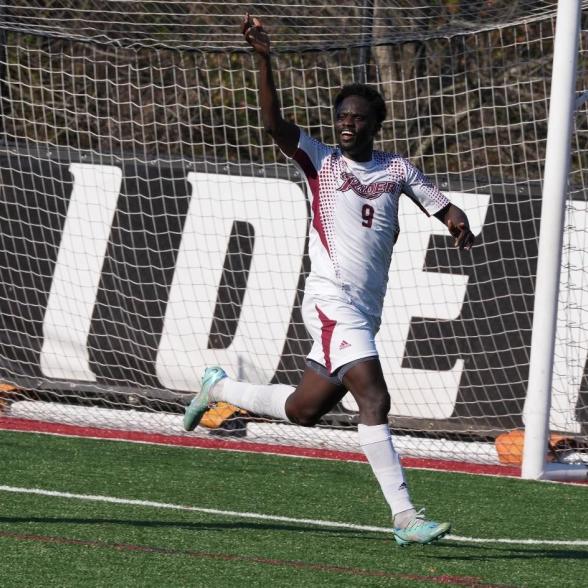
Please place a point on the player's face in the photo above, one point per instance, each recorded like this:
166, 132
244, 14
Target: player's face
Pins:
355, 126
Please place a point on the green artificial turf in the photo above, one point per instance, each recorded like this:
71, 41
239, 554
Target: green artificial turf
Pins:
59, 541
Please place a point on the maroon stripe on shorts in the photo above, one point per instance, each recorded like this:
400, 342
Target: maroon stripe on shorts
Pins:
326, 335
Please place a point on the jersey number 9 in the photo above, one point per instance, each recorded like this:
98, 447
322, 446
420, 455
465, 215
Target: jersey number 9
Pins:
367, 213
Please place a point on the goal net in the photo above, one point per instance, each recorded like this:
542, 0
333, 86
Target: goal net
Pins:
149, 228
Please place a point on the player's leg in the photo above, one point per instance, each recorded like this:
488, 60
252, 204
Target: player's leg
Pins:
315, 395
365, 380
366, 383
317, 392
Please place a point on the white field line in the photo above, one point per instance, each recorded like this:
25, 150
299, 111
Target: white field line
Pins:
258, 516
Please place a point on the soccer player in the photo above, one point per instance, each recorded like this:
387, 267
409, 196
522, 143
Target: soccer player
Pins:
354, 192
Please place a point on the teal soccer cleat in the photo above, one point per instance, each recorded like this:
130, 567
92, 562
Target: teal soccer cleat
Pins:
421, 531
199, 404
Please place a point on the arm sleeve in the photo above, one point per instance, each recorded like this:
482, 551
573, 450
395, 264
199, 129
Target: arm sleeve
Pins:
422, 191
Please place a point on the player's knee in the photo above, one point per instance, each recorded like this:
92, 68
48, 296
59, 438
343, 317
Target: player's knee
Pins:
307, 421
383, 403
302, 416
375, 402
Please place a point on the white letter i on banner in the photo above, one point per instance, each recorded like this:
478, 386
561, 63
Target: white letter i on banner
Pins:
77, 272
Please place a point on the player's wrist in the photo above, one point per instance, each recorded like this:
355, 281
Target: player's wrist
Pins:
263, 54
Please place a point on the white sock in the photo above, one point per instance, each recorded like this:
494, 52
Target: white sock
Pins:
267, 400
376, 443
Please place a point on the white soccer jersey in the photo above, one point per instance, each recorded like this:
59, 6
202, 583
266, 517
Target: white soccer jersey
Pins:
355, 219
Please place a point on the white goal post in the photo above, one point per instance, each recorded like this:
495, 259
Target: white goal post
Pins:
149, 227
555, 191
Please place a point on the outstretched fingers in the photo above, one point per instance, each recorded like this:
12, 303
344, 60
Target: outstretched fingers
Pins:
255, 35
248, 23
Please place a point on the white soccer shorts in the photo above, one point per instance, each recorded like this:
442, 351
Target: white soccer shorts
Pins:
341, 333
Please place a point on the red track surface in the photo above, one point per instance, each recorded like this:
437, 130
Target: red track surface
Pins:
33, 426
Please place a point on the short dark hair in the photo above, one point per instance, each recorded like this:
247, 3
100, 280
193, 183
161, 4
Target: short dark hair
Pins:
369, 93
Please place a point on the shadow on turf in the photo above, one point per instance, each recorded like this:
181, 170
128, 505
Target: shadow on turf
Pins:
198, 526
505, 553
510, 553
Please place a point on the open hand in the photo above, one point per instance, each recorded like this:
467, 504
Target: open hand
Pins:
464, 238
254, 34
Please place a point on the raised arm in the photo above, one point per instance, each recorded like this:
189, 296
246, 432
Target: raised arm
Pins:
457, 223
284, 133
